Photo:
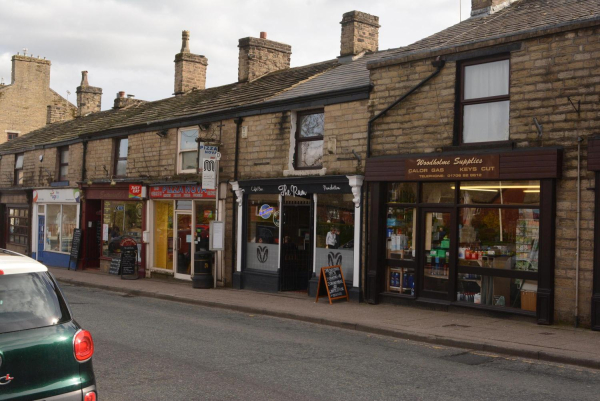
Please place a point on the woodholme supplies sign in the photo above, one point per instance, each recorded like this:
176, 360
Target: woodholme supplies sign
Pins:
453, 168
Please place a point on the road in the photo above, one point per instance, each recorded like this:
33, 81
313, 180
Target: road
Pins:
151, 349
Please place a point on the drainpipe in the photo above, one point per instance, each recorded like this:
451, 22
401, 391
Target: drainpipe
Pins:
579, 140
238, 127
439, 64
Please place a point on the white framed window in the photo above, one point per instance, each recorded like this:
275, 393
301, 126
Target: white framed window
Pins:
485, 100
187, 157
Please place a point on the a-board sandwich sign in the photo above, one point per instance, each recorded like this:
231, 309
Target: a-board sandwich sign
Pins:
331, 282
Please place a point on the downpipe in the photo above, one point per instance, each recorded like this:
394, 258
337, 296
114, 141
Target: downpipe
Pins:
578, 229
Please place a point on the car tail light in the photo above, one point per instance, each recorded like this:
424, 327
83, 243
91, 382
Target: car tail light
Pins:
83, 346
91, 396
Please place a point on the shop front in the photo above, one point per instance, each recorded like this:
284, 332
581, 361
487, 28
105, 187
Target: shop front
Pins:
109, 214
55, 218
465, 229
15, 220
288, 229
180, 217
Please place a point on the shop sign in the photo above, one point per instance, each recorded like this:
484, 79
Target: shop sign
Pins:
56, 195
137, 192
265, 211
207, 152
453, 168
292, 190
300, 190
181, 192
209, 173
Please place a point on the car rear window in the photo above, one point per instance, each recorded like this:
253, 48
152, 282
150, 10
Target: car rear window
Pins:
29, 301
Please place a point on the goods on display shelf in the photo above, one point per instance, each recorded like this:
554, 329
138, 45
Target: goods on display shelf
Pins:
401, 280
527, 243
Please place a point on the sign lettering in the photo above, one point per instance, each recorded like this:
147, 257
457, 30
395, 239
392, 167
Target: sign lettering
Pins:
453, 167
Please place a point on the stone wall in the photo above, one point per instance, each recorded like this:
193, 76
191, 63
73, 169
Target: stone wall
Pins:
23, 103
543, 74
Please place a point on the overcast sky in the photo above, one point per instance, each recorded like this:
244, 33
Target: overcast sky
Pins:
130, 45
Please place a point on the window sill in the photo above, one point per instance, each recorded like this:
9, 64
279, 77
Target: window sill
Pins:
509, 145
301, 173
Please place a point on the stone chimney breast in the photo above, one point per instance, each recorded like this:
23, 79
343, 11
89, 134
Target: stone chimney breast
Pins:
360, 33
261, 56
190, 69
89, 98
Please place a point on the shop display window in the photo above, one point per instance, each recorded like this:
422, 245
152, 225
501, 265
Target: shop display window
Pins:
18, 225
163, 234
438, 192
402, 192
61, 221
499, 238
121, 219
263, 223
401, 280
437, 251
401, 227
335, 232
500, 193
497, 291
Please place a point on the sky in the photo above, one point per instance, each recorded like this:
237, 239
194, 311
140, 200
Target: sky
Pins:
129, 45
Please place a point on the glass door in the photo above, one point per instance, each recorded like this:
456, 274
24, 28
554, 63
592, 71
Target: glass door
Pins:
183, 245
437, 250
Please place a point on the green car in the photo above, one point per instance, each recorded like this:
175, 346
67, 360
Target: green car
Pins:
44, 353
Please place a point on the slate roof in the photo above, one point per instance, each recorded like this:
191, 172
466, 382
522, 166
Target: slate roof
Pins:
520, 17
196, 102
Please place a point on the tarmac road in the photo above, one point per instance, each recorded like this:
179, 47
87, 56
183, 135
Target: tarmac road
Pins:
151, 349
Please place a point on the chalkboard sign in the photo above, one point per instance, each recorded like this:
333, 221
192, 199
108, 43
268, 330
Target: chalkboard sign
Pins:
332, 282
75, 247
115, 265
128, 259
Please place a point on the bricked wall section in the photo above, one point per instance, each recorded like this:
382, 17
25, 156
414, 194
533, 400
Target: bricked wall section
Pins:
543, 74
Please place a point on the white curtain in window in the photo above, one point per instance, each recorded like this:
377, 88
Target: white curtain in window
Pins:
486, 80
486, 122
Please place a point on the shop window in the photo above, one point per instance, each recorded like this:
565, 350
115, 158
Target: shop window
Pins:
500, 193
121, 219
63, 163
205, 213
485, 100
497, 291
121, 151
163, 234
309, 140
19, 159
499, 238
438, 192
188, 151
262, 249
61, 221
18, 225
335, 232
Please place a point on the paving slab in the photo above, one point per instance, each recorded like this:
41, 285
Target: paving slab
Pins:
525, 339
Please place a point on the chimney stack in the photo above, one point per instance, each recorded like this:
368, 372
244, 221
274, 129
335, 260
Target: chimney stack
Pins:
122, 101
360, 32
89, 98
30, 72
260, 56
190, 69
487, 7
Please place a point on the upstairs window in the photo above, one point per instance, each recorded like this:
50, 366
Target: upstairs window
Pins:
121, 150
11, 135
485, 100
63, 163
309, 140
19, 168
188, 151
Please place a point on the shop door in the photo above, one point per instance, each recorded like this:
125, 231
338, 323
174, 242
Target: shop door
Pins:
437, 272
41, 228
183, 245
297, 244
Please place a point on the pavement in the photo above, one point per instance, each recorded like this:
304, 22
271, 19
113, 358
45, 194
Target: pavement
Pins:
514, 337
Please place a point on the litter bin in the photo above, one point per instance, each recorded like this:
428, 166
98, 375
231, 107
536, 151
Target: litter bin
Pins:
203, 277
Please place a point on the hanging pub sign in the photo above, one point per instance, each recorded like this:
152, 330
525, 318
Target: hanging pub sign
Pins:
181, 192
209, 173
453, 168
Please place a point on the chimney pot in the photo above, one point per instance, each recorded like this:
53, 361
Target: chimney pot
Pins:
89, 98
121, 94
263, 35
130, 96
185, 42
84, 78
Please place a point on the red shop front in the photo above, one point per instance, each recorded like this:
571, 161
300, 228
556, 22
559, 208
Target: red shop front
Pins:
110, 213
